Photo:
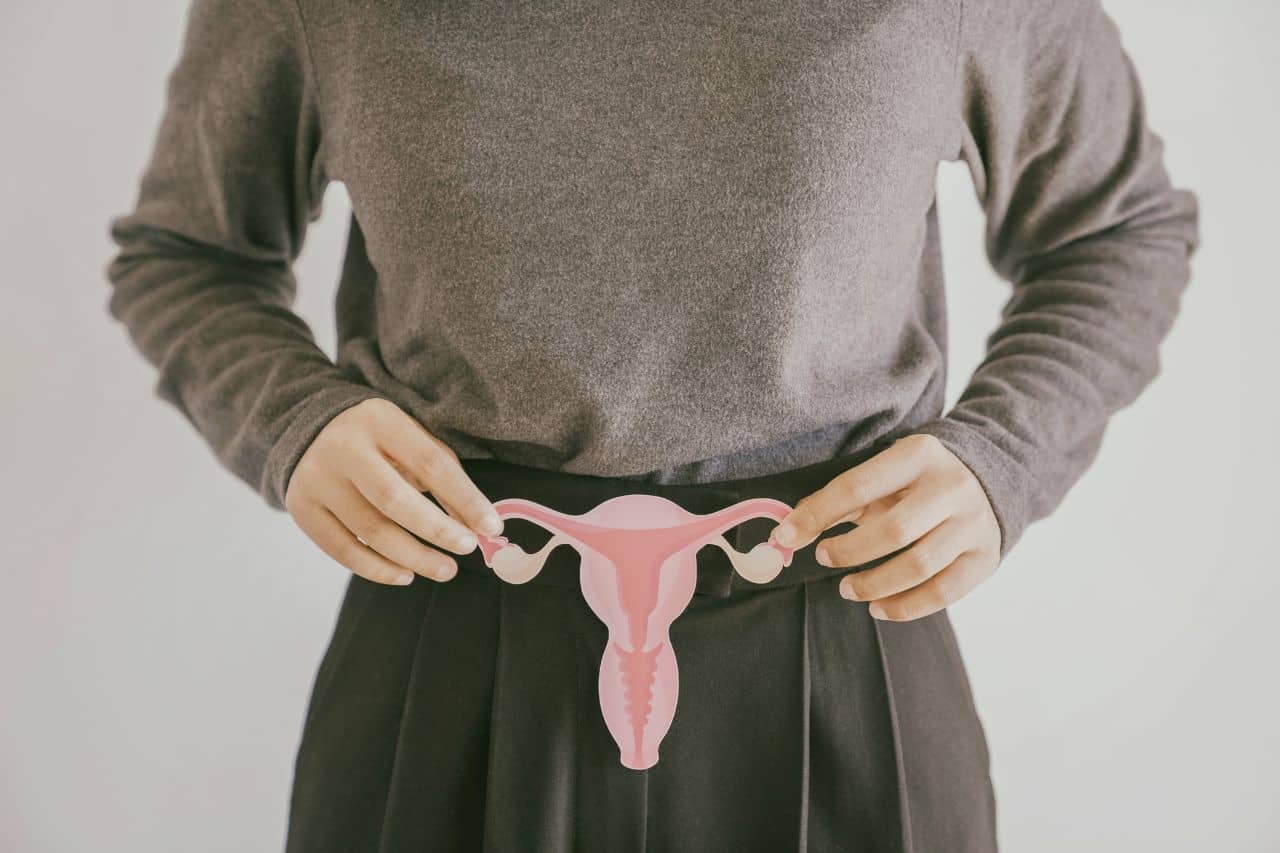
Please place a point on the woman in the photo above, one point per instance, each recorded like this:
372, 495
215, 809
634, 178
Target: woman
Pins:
686, 250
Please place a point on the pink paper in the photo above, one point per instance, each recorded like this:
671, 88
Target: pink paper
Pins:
638, 572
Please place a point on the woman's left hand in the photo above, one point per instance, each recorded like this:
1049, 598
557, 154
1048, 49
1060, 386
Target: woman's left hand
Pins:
914, 495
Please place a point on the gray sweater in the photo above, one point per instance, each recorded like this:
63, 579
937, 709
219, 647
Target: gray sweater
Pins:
672, 241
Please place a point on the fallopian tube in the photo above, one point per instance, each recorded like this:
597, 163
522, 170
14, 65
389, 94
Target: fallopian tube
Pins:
638, 573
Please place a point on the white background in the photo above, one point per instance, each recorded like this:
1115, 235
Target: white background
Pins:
160, 627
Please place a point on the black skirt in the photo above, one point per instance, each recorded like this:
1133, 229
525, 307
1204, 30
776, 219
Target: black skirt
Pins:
466, 715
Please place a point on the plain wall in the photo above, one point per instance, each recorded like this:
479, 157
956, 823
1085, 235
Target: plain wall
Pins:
160, 626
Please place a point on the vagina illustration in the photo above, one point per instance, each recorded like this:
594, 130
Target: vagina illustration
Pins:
638, 571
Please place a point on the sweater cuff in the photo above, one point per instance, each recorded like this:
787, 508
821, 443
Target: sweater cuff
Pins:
307, 419
1005, 481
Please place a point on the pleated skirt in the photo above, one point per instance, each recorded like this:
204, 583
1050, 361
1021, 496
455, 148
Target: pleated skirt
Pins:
466, 715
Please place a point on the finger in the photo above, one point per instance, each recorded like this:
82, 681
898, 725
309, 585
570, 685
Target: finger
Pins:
433, 465
877, 505
333, 537
936, 550
920, 511
389, 539
408, 475
890, 470
392, 496
942, 590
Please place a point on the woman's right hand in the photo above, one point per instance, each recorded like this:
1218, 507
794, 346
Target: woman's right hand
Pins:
357, 492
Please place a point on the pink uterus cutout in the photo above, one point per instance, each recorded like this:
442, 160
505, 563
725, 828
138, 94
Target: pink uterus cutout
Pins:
638, 571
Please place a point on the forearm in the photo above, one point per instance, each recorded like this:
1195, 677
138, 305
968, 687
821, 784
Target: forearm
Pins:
230, 354
1079, 340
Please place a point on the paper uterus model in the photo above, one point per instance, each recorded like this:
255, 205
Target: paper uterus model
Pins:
638, 570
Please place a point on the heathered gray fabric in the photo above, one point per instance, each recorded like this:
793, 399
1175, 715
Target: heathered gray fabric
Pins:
680, 241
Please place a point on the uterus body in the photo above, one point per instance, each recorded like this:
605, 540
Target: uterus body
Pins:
638, 571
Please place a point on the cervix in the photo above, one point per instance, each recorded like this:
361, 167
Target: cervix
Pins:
638, 570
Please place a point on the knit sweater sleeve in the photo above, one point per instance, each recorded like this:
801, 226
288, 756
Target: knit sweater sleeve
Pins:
1081, 219
203, 279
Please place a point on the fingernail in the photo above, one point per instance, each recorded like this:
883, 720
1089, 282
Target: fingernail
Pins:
785, 534
491, 525
846, 591
820, 554
877, 611
466, 543
405, 579
447, 573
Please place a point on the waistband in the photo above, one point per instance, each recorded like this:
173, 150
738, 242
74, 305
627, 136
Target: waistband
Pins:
578, 493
